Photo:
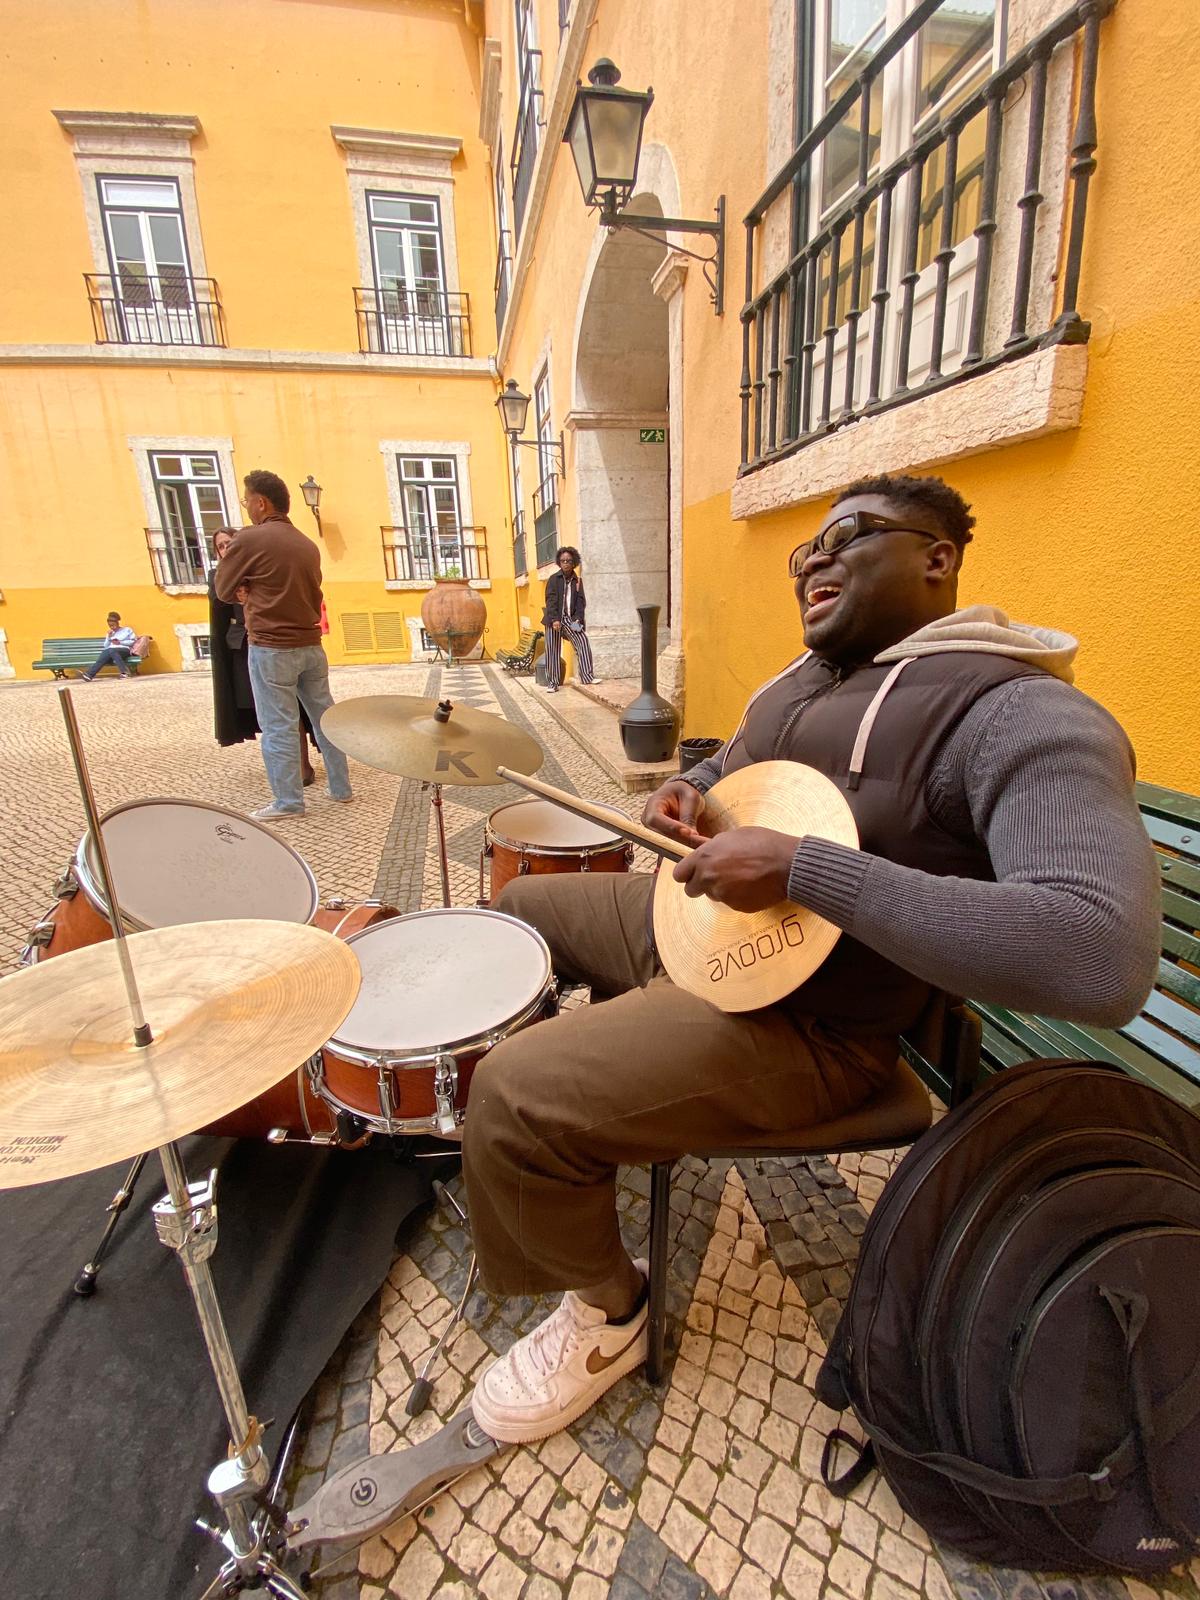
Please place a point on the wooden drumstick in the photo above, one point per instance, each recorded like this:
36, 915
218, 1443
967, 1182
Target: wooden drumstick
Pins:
613, 821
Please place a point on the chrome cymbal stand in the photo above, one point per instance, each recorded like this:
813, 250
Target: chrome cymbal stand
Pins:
187, 1221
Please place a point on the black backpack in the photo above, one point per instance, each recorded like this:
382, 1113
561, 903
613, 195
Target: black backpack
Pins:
1021, 1344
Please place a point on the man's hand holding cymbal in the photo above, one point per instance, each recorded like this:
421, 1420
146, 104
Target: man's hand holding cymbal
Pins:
743, 868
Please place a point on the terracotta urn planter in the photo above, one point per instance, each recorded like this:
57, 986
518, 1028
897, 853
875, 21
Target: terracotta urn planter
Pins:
454, 615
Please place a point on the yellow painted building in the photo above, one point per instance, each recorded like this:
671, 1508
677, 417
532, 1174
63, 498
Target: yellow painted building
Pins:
228, 247
1029, 328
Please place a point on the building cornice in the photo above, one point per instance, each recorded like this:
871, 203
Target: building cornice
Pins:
397, 146
114, 355
489, 94
130, 124
587, 421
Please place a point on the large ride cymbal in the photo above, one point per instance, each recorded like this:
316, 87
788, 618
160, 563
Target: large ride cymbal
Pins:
742, 960
434, 741
233, 1007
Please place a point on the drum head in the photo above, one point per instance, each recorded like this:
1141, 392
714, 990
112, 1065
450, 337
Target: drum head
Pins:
176, 861
438, 979
542, 823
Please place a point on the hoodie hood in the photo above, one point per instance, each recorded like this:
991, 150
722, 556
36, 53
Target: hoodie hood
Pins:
987, 629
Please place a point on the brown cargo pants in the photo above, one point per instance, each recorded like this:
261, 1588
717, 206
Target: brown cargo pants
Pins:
649, 1075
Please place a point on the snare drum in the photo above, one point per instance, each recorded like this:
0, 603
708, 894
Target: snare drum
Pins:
175, 861
439, 990
292, 1110
536, 836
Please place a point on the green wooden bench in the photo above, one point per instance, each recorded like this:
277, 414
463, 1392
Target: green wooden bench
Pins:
63, 656
1162, 1044
521, 657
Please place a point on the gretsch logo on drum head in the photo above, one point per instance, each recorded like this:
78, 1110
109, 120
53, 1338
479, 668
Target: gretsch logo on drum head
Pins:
750, 952
227, 833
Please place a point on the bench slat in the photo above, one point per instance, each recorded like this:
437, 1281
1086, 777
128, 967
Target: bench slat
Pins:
1184, 945
1179, 1019
1181, 837
1176, 980
1052, 1037
1181, 1056
1169, 802
1180, 909
1182, 877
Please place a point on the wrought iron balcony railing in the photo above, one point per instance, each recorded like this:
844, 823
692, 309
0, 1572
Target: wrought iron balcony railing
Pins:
503, 279
178, 558
525, 134
170, 308
830, 337
423, 556
400, 321
545, 519
520, 562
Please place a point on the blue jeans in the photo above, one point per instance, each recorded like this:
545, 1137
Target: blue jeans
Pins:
115, 656
283, 681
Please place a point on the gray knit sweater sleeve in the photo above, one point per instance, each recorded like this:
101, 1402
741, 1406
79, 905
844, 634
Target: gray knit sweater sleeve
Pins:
1070, 927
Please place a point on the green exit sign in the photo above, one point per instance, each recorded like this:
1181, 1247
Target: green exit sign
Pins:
652, 436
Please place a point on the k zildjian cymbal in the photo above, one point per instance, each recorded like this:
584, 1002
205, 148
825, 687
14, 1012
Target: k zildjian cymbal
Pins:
233, 1006
742, 960
418, 739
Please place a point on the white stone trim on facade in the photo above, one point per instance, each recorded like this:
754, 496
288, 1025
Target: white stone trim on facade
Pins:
556, 107
400, 163
135, 144
581, 421
460, 449
141, 444
7, 670
148, 355
1035, 395
185, 632
489, 92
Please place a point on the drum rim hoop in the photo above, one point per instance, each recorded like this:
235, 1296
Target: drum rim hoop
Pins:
93, 890
492, 836
419, 1060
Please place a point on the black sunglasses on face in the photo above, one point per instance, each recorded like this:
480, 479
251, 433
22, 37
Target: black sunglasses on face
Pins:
856, 525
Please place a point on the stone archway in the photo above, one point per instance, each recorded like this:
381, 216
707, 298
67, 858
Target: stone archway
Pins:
622, 385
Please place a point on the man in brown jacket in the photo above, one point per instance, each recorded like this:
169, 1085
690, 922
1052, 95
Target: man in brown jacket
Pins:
280, 570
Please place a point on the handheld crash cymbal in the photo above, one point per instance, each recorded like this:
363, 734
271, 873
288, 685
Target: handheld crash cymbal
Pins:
742, 960
430, 740
233, 1007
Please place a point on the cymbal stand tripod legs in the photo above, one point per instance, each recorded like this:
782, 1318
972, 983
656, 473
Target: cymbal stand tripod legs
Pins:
186, 1220
85, 1283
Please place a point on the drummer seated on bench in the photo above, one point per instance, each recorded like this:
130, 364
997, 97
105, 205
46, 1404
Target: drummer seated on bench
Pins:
1002, 857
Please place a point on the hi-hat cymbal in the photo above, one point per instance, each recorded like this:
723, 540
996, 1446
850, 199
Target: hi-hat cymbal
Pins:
414, 737
233, 1006
742, 960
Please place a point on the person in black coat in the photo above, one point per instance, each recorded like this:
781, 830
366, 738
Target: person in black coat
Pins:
564, 614
234, 719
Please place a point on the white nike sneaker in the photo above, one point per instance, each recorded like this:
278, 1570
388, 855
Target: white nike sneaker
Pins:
556, 1373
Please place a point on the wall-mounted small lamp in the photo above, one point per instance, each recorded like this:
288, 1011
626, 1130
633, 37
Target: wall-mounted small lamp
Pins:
311, 490
513, 407
604, 131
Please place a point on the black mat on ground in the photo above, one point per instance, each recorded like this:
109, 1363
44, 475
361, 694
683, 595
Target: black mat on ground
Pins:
109, 1415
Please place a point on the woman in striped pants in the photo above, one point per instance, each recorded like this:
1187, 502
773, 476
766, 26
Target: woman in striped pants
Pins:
564, 614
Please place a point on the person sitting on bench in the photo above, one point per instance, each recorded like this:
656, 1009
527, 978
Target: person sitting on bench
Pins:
1002, 856
118, 647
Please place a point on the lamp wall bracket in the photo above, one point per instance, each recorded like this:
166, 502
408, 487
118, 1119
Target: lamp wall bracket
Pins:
712, 266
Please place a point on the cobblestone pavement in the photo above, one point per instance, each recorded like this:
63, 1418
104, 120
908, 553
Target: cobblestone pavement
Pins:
709, 1487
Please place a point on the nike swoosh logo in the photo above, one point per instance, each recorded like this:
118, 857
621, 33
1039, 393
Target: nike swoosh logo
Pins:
596, 1363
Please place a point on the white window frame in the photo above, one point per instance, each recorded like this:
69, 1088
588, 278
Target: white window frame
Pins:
403, 310
460, 449
157, 316
899, 130
144, 446
413, 165
116, 144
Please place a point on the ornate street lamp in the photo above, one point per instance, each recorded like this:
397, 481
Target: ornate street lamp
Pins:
513, 406
604, 131
311, 490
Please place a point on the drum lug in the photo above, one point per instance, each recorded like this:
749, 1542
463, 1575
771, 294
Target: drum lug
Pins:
523, 867
66, 887
40, 936
387, 1105
445, 1091
628, 854
484, 855
585, 865
338, 902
